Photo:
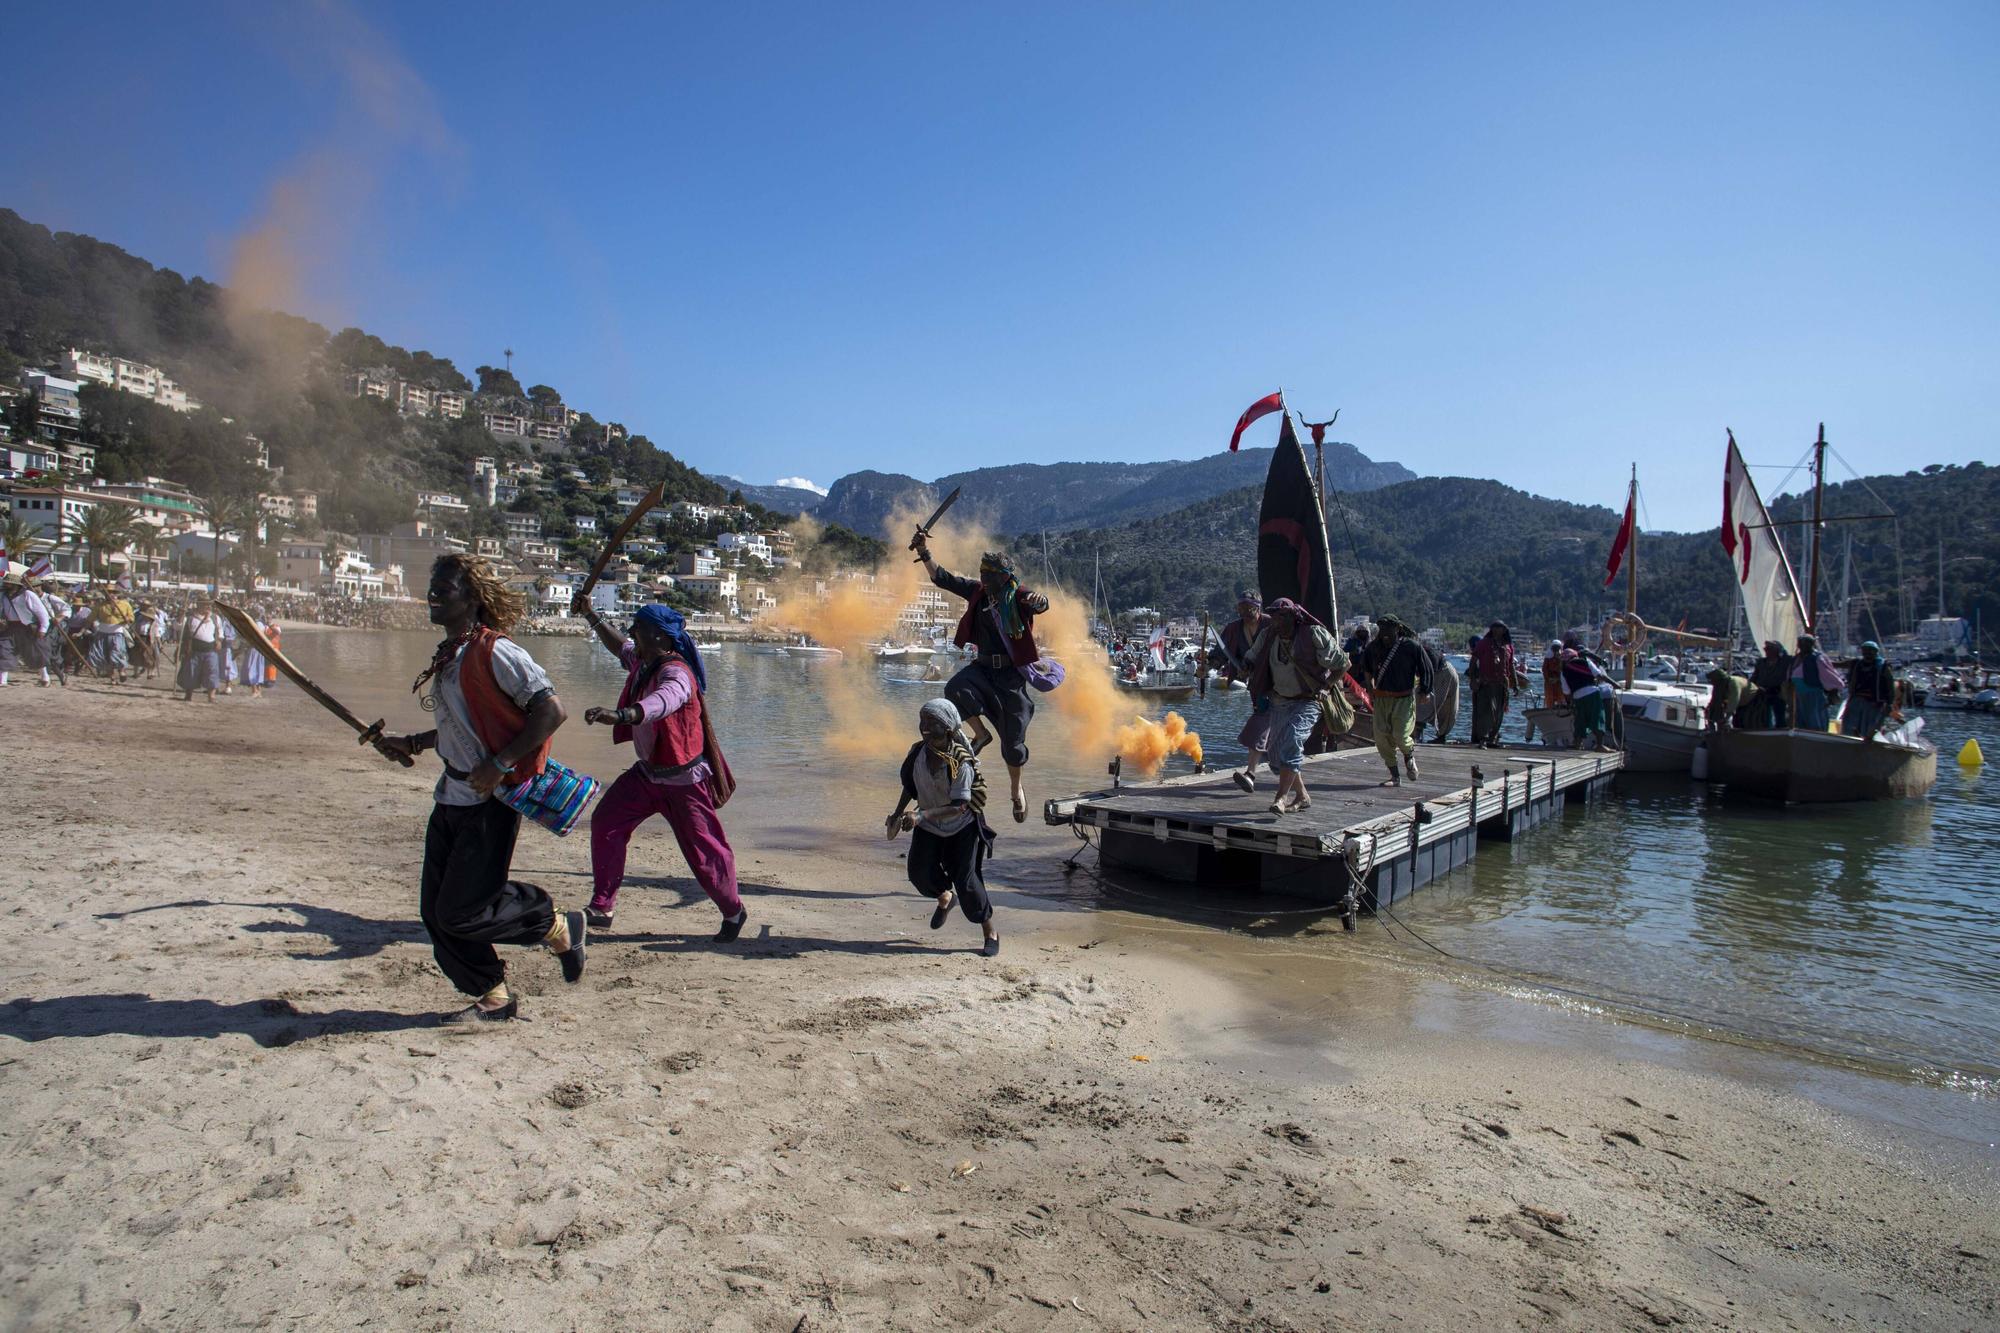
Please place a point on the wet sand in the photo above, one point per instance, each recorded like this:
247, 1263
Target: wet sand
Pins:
227, 1104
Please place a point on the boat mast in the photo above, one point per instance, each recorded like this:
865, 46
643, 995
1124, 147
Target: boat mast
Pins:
1819, 494
1940, 578
1632, 581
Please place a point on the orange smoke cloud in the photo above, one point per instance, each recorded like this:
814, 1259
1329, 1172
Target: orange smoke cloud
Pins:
384, 118
852, 613
1145, 745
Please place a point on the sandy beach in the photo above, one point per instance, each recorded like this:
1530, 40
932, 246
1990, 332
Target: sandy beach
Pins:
227, 1104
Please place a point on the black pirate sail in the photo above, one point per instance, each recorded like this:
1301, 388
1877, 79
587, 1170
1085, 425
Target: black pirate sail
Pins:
1292, 556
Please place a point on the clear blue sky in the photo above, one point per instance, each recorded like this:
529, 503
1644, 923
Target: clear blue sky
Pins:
1535, 243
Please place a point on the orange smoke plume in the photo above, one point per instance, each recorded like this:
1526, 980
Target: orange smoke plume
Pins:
1145, 745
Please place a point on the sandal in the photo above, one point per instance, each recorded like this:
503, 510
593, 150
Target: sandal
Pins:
1020, 809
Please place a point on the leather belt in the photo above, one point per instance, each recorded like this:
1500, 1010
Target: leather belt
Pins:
996, 661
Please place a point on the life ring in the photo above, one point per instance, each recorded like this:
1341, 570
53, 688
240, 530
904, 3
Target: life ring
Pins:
1611, 645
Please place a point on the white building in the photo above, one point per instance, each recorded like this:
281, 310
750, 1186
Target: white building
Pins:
689, 511
746, 543
449, 403
521, 527
132, 377
486, 479
442, 502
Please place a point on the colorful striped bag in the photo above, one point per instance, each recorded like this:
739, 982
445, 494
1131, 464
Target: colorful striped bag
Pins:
555, 800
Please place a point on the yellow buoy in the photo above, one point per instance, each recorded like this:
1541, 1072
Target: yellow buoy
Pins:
1970, 755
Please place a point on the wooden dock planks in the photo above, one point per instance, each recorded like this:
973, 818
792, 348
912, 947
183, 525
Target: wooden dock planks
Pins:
1203, 828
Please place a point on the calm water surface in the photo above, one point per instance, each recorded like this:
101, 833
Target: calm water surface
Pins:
1866, 934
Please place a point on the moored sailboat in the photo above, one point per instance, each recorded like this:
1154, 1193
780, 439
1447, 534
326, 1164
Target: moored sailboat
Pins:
1800, 765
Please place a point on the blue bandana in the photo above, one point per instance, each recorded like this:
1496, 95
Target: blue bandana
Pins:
672, 624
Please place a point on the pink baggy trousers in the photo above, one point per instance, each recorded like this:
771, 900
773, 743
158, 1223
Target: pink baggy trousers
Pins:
631, 800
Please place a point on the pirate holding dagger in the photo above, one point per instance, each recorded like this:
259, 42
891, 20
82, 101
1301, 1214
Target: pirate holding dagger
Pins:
999, 625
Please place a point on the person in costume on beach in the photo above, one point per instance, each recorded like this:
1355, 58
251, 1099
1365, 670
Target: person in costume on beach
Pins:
1552, 666
24, 626
257, 673
1773, 669
1871, 695
1292, 659
1403, 678
1591, 693
110, 646
1232, 644
201, 655
1731, 700
662, 711
949, 838
999, 625
1497, 675
1814, 684
146, 639
1440, 710
496, 711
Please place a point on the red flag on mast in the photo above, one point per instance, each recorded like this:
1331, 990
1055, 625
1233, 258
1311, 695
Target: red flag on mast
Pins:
1263, 407
1622, 543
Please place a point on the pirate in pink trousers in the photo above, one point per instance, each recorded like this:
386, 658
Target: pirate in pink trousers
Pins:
680, 773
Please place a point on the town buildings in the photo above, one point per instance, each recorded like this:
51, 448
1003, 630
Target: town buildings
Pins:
132, 377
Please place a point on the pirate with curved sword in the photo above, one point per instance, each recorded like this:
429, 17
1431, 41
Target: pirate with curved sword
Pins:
999, 626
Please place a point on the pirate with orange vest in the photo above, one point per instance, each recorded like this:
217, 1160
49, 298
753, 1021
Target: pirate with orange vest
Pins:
496, 711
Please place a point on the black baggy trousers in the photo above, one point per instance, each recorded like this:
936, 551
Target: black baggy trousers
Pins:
468, 904
937, 864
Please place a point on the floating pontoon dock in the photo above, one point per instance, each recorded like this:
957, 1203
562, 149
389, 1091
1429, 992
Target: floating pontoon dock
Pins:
1360, 844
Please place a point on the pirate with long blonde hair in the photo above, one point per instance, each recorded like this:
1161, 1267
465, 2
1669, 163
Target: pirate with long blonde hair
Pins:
496, 711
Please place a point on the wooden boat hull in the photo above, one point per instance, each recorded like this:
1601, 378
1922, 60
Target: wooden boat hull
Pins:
1659, 747
1158, 691
1817, 767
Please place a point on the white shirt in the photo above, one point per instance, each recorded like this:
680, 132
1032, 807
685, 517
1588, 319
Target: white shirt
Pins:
519, 677
27, 608
205, 628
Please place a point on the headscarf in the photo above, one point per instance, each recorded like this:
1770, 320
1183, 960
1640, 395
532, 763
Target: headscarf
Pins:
996, 562
673, 624
940, 716
1249, 598
1300, 616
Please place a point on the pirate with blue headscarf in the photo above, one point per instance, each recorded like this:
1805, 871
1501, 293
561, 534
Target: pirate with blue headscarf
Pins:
999, 626
680, 774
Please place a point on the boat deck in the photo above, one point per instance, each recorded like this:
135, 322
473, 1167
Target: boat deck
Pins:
1360, 844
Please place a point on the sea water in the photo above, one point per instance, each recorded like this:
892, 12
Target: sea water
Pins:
1863, 934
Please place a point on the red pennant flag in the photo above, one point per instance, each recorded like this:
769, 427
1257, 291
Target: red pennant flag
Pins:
1619, 546
1263, 407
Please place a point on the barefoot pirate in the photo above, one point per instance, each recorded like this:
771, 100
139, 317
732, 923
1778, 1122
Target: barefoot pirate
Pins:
999, 625
680, 774
496, 711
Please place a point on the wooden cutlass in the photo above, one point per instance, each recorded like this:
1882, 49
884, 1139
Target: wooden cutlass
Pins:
370, 733
647, 503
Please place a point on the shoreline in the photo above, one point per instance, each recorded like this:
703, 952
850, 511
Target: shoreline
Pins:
228, 1104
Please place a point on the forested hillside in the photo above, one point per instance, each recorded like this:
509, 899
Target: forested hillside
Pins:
276, 376
1028, 497
1459, 551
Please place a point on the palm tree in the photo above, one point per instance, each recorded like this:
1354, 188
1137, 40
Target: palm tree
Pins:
101, 529
17, 535
150, 542
226, 513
